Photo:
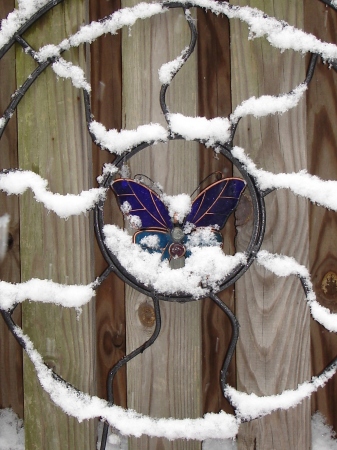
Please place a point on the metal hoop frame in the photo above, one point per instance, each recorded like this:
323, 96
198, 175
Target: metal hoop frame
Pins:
256, 194
253, 247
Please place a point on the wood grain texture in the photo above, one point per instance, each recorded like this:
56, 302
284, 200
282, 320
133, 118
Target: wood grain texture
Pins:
322, 161
274, 346
166, 380
53, 142
11, 389
106, 81
214, 100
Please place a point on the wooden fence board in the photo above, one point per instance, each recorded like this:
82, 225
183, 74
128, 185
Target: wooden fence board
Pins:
11, 392
274, 346
106, 97
165, 380
214, 100
56, 146
322, 161
256, 70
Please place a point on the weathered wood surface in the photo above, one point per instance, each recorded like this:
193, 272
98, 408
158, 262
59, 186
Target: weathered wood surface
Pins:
322, 161
166, 379
11, 393
106, 106
55, 145
214, 100
263, 144
274, 347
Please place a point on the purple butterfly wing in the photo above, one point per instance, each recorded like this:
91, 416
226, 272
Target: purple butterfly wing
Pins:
216, 203
139, 200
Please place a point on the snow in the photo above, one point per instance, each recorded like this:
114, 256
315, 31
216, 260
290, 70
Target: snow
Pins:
12, 435
66, 69
108, 169
121, 141
88, 33
205, 269
278, 33
284, 266
323, 437
168, 70
178, 206
150, 241
322, 192
26, 9
46, 291
269, 104
208, 130
125, 207
17, 182
4, 222
202, 237
114, 440
251, 406
128, 422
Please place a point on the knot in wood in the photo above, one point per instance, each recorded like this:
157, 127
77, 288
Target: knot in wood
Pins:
146, 315
329, 285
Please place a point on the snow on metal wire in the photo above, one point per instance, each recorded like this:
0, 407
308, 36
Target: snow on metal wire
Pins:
218, 134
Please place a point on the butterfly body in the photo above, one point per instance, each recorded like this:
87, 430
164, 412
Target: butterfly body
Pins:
159, 232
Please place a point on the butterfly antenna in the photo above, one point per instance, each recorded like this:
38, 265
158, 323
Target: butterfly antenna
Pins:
218, 174
144, 179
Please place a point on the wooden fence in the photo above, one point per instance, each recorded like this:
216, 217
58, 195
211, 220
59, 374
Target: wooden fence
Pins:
180, 375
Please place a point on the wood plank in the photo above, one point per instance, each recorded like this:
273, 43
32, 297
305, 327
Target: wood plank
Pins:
322, 161
106, 81
11, 388
55, 145
165, 380
214, 100
274, 346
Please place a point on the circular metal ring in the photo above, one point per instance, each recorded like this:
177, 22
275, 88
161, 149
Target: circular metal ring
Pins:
251, 250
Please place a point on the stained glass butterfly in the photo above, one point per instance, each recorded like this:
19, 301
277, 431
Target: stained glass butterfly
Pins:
159, 232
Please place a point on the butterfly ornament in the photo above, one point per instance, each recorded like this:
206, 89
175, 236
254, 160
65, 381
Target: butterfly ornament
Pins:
169, 234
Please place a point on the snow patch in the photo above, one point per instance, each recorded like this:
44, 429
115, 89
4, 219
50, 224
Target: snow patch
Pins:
284, 266
12, 434
178, 206
300, 183
66, 69
128, 422
151, 241
121, 141
4, 222
250, 406
269, 104
204, 270
17, 182
210, 131
45, 291
168, 70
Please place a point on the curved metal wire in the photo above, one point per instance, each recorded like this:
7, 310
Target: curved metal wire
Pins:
186, 54
13, 327
308, 78
113, 266
234, 339
41, 12
253, 247
330, 3
127, 359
